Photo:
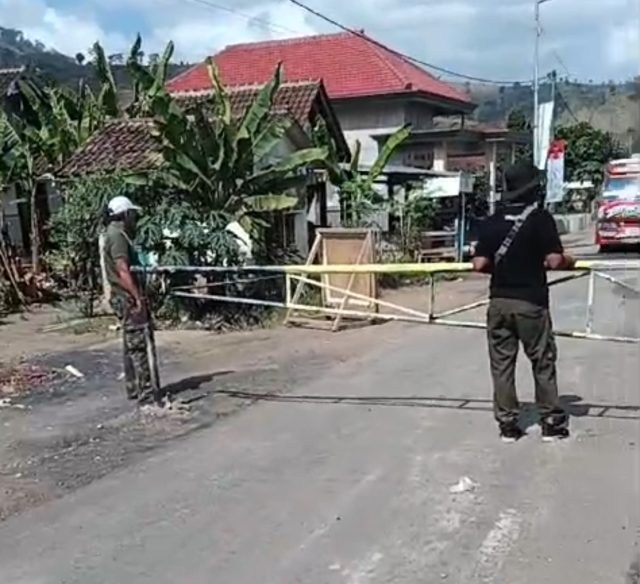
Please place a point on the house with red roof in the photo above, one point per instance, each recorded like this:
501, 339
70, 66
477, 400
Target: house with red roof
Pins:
374, 91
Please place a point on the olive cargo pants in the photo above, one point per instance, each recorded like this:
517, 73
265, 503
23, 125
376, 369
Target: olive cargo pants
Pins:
140, 382
509, 323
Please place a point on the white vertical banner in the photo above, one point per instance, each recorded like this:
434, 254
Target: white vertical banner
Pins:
555, 172
542, 136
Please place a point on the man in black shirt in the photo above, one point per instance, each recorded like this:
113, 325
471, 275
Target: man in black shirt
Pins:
516, 246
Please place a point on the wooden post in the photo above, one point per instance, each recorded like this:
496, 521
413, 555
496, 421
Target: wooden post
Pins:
106, 287
298, 292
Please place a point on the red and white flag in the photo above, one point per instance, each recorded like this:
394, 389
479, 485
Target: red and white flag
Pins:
555, 172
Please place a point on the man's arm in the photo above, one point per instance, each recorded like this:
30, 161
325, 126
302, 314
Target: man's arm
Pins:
119, 250
555, 256
127, 282
482, 254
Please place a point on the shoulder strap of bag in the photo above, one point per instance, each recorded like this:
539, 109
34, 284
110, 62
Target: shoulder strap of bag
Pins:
515, 228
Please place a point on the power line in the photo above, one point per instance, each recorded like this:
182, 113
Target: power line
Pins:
562, 63
267, 23
400, 54
567, 106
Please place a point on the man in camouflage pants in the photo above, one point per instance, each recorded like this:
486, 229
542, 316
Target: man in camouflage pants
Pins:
128, 303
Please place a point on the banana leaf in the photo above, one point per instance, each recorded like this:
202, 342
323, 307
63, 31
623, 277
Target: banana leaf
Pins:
109, 94
220, 99
291, 164
388, 150
269, 137
262, 104
270, 203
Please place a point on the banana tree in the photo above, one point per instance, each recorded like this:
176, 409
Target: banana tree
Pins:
358, 197
18, 167
107, 98
219, 161
148, 83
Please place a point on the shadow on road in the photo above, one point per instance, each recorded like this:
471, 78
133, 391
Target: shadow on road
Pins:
193, 383
572, 403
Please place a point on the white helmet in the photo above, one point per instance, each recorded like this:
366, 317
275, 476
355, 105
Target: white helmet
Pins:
120, 205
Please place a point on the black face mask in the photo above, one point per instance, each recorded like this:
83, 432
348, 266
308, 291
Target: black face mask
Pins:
131, 223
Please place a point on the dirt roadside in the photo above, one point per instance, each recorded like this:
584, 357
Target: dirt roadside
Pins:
68, 431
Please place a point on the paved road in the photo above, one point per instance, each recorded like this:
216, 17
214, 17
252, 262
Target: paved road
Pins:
347, 480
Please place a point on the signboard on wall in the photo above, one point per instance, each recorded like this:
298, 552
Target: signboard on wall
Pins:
448, 186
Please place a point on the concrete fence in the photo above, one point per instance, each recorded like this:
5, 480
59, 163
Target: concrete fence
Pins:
574, 222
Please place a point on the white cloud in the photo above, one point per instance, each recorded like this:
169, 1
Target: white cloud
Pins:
490, 38
65, 32
201, 33
623, 48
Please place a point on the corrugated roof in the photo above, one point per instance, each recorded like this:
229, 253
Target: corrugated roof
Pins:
349, 65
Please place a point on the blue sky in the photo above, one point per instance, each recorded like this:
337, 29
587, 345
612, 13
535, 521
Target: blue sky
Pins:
588, 39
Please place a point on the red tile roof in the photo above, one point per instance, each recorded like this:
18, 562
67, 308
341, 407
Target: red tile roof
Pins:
303, 101
348, 64
295, 98
126, 144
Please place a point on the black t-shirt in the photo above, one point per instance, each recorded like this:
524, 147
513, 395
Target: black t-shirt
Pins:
521, 273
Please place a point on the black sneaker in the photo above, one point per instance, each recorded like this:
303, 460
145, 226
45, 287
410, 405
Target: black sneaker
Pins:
510, 433
553, 433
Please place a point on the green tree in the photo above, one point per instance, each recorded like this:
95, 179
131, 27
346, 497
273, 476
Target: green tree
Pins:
587, 152
222, 164
517, 120
358, 197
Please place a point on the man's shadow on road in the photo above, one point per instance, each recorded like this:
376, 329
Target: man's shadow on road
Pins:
573, 404
186, 386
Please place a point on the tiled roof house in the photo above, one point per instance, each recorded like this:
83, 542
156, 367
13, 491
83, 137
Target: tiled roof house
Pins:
373, 89
350, 67
132, 145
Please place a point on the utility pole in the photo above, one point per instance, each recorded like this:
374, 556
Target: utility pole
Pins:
536, 79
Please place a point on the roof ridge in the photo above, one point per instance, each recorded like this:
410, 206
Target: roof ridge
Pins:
247, 87
130, 122
424, 71
287, 41
382, 53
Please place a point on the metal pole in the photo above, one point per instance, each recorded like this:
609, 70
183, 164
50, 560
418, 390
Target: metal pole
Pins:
461, 228
432, 296
287, 285
590, 299
492, 178
536, 81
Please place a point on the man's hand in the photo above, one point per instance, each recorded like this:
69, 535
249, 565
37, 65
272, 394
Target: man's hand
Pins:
482, 265
138, 307
559, 261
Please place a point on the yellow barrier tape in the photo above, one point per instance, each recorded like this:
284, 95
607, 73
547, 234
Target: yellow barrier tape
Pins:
425, 268
434, 268
430, 268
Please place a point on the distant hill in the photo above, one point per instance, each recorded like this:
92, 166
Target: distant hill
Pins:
613, 107
18, 51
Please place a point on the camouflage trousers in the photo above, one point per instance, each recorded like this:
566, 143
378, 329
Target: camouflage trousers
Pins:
137, 343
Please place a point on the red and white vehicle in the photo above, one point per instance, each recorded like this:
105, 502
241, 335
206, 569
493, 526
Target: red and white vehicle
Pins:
618, 206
